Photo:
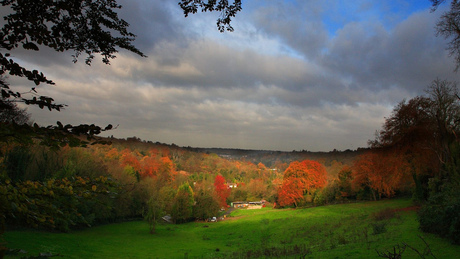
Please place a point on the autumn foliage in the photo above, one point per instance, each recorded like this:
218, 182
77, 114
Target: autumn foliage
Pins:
299, 179
222, 190
382, 172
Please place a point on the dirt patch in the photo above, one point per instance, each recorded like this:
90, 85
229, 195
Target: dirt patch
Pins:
410, 208
234, 218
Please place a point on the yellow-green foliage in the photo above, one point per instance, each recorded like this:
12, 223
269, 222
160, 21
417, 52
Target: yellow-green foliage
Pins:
58, 204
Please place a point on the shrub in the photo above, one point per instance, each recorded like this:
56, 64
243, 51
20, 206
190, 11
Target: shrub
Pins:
326, 195
16, 163
58, 204
441, 215
379, 227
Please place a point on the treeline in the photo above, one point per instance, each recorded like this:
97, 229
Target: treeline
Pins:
45, 187
78, 187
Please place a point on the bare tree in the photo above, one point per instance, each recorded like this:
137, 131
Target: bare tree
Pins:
448, 26
445, 112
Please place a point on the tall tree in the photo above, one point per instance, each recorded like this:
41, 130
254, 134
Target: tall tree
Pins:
291, 191
444, 111
448, 27
382, 171
423, 128
154, 212
182, 209
344, 179
299, 179
222, 190
206, 205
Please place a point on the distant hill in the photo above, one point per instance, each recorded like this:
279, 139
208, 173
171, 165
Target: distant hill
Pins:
267, 157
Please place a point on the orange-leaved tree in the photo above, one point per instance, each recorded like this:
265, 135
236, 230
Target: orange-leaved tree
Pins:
150, 166
129, 159
299, 179
381, 171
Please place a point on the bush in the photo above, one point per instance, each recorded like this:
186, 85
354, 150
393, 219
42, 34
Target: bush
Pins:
379, 227
441, 215
58, 204
16, 163
326, 195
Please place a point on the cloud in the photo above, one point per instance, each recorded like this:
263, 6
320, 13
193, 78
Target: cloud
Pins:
407, 57
292, 76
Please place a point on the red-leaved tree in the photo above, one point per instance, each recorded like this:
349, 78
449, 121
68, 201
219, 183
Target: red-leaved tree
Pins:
222, 190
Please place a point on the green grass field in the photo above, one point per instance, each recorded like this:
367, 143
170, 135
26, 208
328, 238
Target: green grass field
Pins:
336, 231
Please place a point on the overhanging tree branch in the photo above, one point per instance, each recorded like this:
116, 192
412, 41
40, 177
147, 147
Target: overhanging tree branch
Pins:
90, 27
227, 10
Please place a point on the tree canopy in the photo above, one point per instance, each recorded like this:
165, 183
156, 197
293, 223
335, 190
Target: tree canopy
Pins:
299, 179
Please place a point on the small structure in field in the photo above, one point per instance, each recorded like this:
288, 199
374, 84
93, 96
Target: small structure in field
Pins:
248, 204
168, 219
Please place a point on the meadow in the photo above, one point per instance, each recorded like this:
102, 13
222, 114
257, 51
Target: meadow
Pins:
354, 230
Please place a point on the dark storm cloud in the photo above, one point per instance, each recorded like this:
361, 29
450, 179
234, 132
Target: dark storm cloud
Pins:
152, 21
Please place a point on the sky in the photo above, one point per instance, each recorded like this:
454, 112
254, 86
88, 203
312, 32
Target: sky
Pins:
312, 75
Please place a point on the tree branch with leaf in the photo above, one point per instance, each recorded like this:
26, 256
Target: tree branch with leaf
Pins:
89, 27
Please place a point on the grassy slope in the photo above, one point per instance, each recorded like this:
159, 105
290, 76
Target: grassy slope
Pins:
339, 231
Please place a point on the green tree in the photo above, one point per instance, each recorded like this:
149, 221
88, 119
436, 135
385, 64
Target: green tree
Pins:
344, 179
440, 214
182, 209
206, 205
154, 212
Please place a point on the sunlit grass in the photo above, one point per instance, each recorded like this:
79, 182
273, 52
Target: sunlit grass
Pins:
338, 231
